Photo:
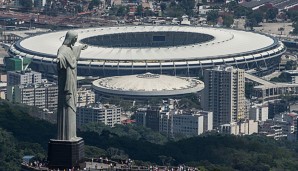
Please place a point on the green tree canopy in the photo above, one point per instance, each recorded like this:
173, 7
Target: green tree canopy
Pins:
291, 65
139, 10
174, 11
212, 16
271, 13
228, 20
93, 3
187, 5
27, 4
163, 6
295, 26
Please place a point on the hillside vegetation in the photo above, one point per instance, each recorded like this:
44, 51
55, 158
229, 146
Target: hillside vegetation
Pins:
21, 135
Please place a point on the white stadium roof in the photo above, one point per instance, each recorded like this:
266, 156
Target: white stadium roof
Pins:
148, 84
226, 42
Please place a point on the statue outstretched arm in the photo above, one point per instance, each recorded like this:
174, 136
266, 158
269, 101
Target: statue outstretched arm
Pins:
81, 47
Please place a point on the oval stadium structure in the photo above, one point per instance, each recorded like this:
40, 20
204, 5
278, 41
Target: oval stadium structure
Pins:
148, 85
170, 50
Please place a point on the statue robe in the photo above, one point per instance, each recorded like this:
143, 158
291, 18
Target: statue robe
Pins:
67, 91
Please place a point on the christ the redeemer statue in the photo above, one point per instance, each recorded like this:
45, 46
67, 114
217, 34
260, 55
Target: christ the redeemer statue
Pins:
67, 57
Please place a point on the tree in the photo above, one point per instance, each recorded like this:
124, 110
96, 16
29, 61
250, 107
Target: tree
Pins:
228, 20
282, 78
232, 5
188, 6
94, 152
163, 6
212, 16
26, 4
174, 11
292, 14
240, 11
93, 3
291, 65
295, 26
249, 23
116, 153
10, 159
271, 13
122, 11
255, 18
139, 10
281, 29
148, 12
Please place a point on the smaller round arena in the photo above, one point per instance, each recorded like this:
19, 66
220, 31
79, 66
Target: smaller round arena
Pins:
148, 85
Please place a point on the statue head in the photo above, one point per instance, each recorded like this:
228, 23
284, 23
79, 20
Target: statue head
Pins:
70, 38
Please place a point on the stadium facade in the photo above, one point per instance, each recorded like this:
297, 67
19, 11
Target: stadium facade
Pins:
170, 50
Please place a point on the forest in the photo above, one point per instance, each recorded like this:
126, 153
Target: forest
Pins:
21, 134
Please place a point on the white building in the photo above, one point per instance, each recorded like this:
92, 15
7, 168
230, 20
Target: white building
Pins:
282, 125
23, 77
270, 129
107, 114
85, 96
246, 127
258, 112
224, 94
39, 3
291, 118
40, 95
191, 124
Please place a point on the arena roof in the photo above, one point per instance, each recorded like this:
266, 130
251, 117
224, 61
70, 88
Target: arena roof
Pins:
148, 84
226, 42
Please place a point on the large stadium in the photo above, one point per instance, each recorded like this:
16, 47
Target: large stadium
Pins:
170, 50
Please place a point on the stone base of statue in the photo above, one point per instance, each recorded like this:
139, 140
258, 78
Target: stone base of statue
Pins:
65, 154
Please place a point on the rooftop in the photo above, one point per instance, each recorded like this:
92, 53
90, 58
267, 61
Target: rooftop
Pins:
148, 84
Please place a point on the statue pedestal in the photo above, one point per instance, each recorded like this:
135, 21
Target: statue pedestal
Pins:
65, 154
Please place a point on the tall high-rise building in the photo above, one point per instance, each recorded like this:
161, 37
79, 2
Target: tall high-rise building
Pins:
224, 94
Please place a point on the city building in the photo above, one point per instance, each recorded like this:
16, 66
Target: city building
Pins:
224, 94
258, 112
282, 125
85, 96
149, 117
245, 127
276, 107
23, 77
39, 3
43, 95
107, 114
140, 116
187, 123
270, 129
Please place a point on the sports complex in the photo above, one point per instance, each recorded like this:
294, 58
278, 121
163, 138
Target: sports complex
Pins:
169, 50
147, 85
